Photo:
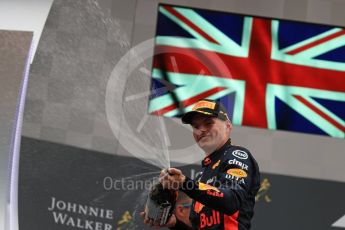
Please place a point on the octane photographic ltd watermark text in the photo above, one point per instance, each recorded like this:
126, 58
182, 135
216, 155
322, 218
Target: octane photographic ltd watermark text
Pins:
123, 184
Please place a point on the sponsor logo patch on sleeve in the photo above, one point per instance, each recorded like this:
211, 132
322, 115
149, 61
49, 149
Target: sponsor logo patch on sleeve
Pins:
240, 154
238, 163
240, 173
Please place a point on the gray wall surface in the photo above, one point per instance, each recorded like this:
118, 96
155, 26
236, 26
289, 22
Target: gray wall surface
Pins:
14, 51
78, 57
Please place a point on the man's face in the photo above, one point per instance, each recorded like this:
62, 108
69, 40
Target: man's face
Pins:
209, 132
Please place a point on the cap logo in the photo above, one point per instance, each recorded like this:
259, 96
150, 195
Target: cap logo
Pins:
204, 104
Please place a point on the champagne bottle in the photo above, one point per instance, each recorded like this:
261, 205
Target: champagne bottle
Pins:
160, 204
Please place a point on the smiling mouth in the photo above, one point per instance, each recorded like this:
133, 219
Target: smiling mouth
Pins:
201, 138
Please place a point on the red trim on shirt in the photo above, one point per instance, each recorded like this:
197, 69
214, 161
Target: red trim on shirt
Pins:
230, 222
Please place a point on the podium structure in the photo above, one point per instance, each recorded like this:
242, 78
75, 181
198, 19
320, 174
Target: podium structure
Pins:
14, 69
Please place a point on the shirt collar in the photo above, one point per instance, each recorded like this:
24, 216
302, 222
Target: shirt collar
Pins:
214, 156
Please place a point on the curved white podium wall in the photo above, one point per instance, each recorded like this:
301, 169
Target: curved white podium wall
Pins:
14, 69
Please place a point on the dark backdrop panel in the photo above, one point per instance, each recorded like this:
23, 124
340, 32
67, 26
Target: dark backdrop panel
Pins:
76, 180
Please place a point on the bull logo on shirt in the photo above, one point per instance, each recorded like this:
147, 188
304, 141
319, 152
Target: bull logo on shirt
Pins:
204, 187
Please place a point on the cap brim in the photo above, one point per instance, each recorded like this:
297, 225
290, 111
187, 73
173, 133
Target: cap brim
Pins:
188, 117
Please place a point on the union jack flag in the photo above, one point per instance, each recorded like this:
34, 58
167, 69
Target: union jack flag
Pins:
269, 73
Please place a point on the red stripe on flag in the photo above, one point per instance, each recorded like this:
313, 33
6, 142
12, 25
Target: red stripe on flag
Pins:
318, 111
230, 222
189, 23
315, 43
189, 101
258, 75
274, 72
